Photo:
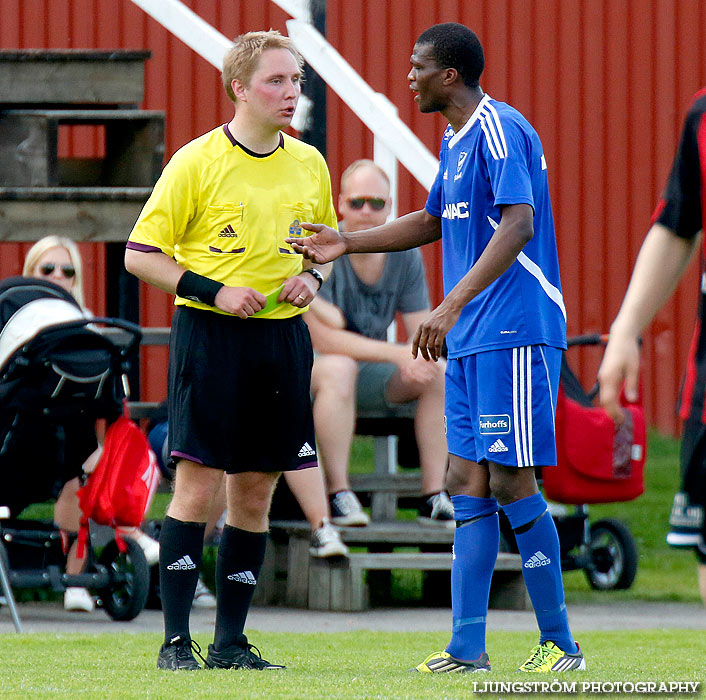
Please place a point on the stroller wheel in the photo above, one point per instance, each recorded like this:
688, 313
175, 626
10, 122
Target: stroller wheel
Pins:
126, 594
613, 556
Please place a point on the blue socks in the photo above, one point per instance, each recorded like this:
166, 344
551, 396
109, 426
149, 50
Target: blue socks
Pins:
476, 543
538, 542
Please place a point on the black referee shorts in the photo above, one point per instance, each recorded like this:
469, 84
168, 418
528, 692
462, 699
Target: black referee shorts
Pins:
239, 392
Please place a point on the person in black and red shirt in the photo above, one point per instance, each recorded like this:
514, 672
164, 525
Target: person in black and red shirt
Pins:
674, 236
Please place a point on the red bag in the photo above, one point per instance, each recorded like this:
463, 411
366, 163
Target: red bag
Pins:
118, 491
597, 462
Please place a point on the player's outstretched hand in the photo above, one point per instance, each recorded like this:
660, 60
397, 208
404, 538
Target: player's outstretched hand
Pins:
621, 363
240, 301
324, 245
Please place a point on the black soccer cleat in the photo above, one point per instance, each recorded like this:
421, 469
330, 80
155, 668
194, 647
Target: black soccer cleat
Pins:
177, 655
236, 656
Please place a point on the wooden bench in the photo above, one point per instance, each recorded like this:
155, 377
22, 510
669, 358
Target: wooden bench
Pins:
95, 214
292, 577
72, 76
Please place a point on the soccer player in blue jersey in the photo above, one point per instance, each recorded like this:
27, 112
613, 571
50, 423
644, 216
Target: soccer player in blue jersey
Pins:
504, 322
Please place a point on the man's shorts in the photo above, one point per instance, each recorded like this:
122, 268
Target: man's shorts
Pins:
373, 378
693, 472
693, 462
501, 404
239, 392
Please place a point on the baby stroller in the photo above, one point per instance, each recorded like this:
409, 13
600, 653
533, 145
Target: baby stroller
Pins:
596, 463
58, 375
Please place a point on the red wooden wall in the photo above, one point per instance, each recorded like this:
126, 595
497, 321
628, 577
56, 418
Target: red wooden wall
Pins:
605, 82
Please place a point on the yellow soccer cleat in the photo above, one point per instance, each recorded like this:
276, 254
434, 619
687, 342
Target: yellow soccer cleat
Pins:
443, 662
547, 657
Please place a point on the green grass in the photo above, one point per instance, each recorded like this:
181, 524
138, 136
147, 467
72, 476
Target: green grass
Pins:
335, 665
374, 664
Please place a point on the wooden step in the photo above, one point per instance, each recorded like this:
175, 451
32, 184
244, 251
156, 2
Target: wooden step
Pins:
343, 584
409, 484
97, 214
292, 577
29, 143
72, 76
397, 533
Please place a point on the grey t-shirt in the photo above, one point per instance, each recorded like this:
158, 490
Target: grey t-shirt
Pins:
369, 309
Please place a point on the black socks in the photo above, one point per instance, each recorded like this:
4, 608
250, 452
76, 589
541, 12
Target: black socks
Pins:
238, 564
180, 553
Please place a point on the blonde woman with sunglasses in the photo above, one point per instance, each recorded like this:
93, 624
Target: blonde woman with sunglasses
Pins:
58, 260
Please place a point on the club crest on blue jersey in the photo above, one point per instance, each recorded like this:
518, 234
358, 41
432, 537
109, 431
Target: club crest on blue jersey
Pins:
295, 229
459, 166
494, 424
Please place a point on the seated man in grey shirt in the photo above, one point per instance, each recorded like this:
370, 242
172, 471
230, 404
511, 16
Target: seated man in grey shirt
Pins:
356, 367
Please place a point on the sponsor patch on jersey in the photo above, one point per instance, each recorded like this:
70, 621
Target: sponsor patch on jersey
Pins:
455, 210
494, 424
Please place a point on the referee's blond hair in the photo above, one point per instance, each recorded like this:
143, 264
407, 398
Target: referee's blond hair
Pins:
241, 59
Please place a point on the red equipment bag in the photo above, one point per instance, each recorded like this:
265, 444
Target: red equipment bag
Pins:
597, 461
118, 491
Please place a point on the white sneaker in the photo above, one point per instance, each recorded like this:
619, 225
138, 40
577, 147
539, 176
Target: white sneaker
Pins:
326, 542
203, 598
437, 510
149, 545
78, 600
346, 510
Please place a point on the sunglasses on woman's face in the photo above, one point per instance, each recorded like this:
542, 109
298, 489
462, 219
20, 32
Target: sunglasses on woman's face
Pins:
67, 270
376, 203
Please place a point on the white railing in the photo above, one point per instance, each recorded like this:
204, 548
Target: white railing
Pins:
186, 25
393, 139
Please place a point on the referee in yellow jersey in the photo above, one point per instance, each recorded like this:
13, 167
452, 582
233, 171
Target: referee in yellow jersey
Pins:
214, 233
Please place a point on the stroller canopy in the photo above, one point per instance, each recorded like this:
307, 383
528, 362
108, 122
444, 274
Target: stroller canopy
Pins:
29, 306
57, 376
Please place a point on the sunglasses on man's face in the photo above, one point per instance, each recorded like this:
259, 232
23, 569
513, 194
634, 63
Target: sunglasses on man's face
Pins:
67, 270
375, 203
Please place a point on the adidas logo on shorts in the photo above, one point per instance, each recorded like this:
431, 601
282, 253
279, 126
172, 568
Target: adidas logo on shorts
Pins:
498, 446
183, 564
536, 560
243, 577
306, 450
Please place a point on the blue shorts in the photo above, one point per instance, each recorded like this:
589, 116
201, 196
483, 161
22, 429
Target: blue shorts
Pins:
501, 404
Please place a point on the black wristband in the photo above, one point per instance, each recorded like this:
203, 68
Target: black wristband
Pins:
315, 274
198, 288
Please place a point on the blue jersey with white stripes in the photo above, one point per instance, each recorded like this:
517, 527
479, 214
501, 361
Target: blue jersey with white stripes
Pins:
495, 160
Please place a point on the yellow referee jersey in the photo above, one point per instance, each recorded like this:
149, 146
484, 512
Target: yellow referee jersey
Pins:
224, 213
